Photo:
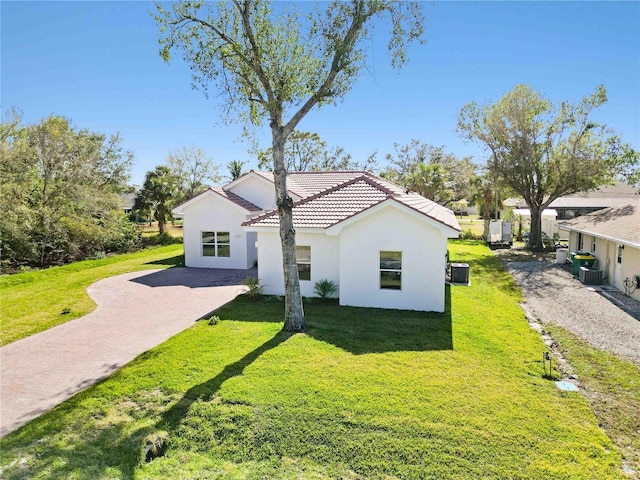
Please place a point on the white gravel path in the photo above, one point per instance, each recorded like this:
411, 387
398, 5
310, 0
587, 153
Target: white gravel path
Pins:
552, 295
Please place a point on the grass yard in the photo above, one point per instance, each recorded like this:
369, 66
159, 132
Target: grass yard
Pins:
473, 223
366, 393
38, 300
613, 388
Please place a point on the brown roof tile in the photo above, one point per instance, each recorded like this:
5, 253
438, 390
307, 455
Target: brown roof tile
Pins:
237, 199
340, 202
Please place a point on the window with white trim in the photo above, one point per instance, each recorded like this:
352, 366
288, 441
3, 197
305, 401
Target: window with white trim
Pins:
593, 244
216, 244
620, 248
390, 270
303, 260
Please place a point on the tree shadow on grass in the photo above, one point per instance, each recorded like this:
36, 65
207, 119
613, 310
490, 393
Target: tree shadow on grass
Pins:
177, 261
170, 421
355, 329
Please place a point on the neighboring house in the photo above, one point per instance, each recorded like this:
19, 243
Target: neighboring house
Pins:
612, 235
382, 246
576, 205
128, 200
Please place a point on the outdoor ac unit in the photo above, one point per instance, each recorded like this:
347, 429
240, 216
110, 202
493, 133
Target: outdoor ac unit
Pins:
460, 273
590, 277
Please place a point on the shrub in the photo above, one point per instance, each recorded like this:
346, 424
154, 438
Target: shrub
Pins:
467, 234
255, 288
324, 288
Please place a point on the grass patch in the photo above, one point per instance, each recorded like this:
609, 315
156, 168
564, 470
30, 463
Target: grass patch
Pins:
38, 300
613, 388
366, 393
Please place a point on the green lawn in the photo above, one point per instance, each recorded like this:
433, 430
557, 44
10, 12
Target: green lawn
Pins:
366, 393
613, 388
38, 300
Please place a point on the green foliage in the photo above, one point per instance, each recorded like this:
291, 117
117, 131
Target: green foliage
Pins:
193, 172
325, 288
161, 239
468, 234
255, 289
159, 194
431, 172
544, 151
376, 394
306, 151
65, 289
235, 169
60, 193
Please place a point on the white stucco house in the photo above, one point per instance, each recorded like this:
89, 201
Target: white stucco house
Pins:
612, 235
382, 246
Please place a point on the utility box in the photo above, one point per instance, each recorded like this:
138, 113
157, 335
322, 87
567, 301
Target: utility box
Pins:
582, 261
460, 273
590, 277
499, 234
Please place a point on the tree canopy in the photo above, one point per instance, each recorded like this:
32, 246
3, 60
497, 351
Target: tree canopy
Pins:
275, 64
306, 151
159, 194
60, 192
543, 150
431, 171
193, 172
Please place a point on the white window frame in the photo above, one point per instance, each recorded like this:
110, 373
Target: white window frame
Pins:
300, 261
593, 244
216, 244
619, 253
395, 270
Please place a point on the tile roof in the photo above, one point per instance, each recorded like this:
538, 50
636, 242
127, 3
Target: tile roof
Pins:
305, 184
620, 223
340, 202
237, 199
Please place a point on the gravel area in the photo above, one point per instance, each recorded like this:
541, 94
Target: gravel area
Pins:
552, 295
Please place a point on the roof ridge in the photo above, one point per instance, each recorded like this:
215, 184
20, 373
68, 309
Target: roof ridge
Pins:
322, 193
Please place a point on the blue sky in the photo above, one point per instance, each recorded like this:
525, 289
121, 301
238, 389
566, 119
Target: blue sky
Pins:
97, 63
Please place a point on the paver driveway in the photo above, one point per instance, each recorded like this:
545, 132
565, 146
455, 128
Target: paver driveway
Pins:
136, 311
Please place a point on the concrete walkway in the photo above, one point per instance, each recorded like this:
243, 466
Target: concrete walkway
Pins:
136, 311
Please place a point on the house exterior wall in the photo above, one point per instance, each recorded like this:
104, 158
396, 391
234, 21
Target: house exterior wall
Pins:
257, 190
606, 253
214, 213
325, 258
423, 248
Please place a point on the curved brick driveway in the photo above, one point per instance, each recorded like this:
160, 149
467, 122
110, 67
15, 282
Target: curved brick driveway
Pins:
136, 311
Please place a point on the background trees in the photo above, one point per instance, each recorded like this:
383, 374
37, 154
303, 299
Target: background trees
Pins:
543, 151
160, 192
274, 66
430, 171
306, 151
60, 192
193, 172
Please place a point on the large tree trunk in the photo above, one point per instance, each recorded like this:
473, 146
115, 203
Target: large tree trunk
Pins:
535, 236
294, 312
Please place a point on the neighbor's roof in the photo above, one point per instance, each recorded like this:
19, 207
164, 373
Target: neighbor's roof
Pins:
232, 197
606, 196
343, 201
620, 224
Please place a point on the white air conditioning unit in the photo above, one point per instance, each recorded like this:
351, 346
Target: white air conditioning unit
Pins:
590, 277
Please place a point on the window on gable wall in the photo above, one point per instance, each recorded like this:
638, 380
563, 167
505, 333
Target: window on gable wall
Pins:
390, 270
303, 260
216, 244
